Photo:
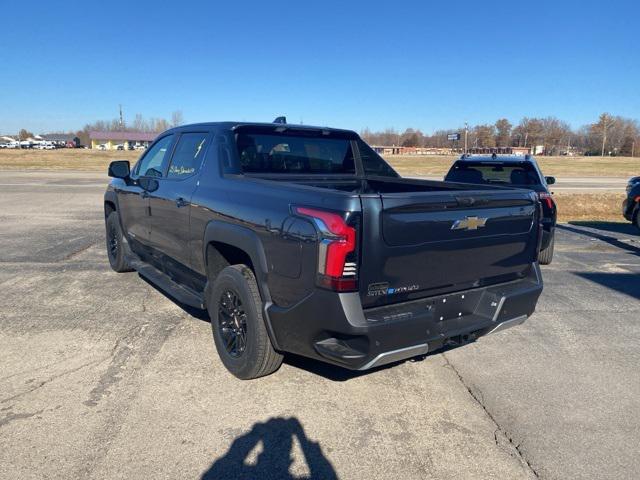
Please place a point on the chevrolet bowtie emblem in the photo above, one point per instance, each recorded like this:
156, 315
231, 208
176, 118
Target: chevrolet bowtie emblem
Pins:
469, 223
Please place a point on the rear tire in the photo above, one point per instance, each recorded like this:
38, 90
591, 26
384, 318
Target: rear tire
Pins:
235, 309
546, 255
116, 247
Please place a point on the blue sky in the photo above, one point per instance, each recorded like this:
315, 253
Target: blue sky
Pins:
356, 64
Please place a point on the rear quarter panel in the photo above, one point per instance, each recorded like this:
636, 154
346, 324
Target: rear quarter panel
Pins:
264, 209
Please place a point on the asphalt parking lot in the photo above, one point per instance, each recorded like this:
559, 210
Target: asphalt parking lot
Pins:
102, 376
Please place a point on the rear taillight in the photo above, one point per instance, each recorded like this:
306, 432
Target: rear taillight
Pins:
337, 256
546, 198
637, 199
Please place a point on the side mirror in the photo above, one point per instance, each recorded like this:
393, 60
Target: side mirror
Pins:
149, 184
550, 180
119, 169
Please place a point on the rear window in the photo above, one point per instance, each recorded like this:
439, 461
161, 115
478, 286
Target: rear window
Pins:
297, 154
494, 173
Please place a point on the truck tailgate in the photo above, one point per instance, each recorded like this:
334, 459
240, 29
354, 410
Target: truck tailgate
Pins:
440, 242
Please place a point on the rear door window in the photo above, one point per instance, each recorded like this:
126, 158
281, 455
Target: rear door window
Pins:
372, 163
188, 155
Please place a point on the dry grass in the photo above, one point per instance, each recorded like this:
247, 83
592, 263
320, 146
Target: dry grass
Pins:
412, 166
589, 206
571, 206
427, 165
62, 159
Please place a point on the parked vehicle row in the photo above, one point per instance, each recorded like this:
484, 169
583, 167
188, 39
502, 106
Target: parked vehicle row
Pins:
122, 146
39, 145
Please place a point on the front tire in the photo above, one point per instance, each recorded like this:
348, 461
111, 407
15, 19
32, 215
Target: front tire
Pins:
235, 309
546, 255
115, 244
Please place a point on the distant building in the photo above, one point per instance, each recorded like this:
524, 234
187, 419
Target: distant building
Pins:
110, 140
500, 150
398, 150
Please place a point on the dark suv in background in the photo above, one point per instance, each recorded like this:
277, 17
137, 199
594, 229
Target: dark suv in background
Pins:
631, 204
512, 171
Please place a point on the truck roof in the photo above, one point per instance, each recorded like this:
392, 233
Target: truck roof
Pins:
230, 125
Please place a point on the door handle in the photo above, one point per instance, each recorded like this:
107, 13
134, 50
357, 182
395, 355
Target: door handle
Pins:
181, 202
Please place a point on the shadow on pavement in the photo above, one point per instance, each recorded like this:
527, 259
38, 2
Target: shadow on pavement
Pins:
275, 438
605, 238
614, 227
627, 283
194, 312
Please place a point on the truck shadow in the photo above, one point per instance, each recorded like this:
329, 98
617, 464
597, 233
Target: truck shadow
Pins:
611, 240
627, 283
194, 312
613, 227
274, 440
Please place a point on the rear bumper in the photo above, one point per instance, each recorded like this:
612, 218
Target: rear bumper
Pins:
334, 328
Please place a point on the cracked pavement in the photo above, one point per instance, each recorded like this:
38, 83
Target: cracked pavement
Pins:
102, 376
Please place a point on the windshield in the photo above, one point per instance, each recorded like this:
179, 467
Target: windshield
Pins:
494, 173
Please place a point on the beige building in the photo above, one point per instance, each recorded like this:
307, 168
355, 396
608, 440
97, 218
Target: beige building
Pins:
111, 140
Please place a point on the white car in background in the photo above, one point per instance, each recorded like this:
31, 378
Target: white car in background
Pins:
102, 146
140, 147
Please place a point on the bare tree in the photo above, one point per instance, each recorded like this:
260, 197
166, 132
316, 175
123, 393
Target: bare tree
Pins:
176, 118
605, 122
503, 135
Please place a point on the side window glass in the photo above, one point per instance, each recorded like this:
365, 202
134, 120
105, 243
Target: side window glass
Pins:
372, 163
155, 159
188, 155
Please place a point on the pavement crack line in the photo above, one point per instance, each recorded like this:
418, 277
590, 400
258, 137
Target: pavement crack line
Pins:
499, 432
17, 416
52, 378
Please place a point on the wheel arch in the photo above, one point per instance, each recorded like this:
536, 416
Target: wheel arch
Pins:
227, 244
110, 203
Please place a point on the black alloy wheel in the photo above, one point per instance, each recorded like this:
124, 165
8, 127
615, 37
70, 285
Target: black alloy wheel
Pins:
232, 321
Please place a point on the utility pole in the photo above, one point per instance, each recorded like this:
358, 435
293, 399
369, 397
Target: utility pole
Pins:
121, 121
466, 130
607, 121
633, 148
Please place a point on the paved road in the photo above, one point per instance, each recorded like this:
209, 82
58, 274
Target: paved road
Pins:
102, 376
85, 179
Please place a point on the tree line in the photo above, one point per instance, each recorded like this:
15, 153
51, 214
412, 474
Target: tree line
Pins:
139, 125
609, 135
